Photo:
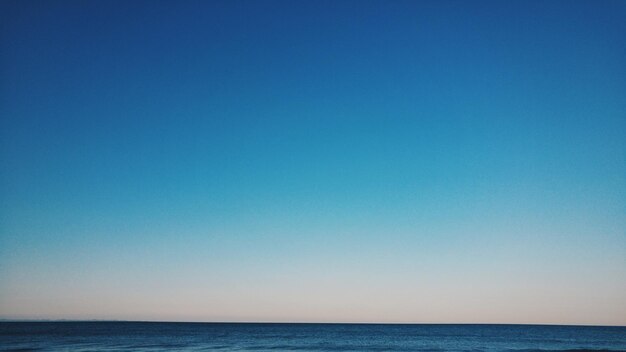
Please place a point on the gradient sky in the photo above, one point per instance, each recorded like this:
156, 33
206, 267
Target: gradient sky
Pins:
356, 161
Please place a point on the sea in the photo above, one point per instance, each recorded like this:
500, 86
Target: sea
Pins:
153, 336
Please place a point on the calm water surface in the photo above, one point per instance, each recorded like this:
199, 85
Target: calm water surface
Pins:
130, 336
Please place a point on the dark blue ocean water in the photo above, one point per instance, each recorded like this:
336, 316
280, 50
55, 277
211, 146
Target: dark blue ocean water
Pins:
130, 336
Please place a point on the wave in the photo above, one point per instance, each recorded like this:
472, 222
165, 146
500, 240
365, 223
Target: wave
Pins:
568, 350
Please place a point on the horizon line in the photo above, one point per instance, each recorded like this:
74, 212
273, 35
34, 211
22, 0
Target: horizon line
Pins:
4, 320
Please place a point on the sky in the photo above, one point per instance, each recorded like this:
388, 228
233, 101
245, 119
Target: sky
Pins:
313, 161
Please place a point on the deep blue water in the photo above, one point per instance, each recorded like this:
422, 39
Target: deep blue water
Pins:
130, 336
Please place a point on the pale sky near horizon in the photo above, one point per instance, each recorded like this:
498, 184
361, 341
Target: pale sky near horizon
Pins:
313, 161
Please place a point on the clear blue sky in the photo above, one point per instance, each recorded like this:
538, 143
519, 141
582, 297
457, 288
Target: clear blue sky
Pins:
444, 161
